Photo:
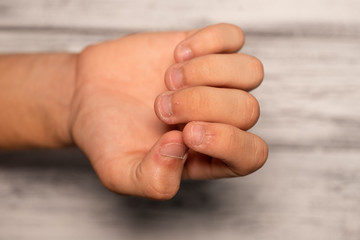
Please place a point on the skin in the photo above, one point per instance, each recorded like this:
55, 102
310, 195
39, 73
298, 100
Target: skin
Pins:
137, 106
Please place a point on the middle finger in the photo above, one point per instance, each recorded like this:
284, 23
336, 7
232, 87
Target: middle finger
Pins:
229, 106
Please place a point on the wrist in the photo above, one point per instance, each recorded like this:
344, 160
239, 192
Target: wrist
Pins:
55, 93
35, 95
64, 88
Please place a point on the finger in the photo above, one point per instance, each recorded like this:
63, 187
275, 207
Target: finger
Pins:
231, 70
234, 152
219, 38
157, 175
160, 172
230, 106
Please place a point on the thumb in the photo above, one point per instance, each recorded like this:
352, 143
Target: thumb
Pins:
159, 174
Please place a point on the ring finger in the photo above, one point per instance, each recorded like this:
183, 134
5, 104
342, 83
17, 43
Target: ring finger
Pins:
221, 70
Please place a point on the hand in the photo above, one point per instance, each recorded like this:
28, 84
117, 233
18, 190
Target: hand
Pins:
138, 151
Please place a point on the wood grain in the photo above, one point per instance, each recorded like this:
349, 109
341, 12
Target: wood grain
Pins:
161, 14
309, 189
297, 195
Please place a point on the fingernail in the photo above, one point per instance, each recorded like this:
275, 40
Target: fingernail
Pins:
165, 105
185, 53
197, 134
174, 150
176, 78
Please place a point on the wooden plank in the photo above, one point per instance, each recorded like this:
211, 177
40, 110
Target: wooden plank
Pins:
162, 14
297, 195
311, 90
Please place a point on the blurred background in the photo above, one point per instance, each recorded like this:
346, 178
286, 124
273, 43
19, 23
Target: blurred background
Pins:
310, 186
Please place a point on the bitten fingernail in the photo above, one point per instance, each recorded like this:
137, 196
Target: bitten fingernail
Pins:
185, 53
176, 78
165, 105
197, 134
174, 150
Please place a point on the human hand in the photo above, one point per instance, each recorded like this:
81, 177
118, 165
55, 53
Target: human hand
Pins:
137, 151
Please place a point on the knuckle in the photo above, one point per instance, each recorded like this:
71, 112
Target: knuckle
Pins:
232, 27
261, 152
215, 35
251, 151
240, 32
241, 166
257, 70
251, 162
250, 111
253, 110
236, 30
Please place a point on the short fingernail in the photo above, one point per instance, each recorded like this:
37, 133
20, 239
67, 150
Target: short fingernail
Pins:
185, 53
176, 78
165, 105
197, 134
174, 150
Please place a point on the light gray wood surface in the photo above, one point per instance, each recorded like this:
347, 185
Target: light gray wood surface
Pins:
310, 187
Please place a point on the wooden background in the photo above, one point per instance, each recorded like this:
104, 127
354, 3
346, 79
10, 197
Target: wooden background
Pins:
310, 186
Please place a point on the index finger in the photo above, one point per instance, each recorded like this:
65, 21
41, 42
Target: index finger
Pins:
219, 38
